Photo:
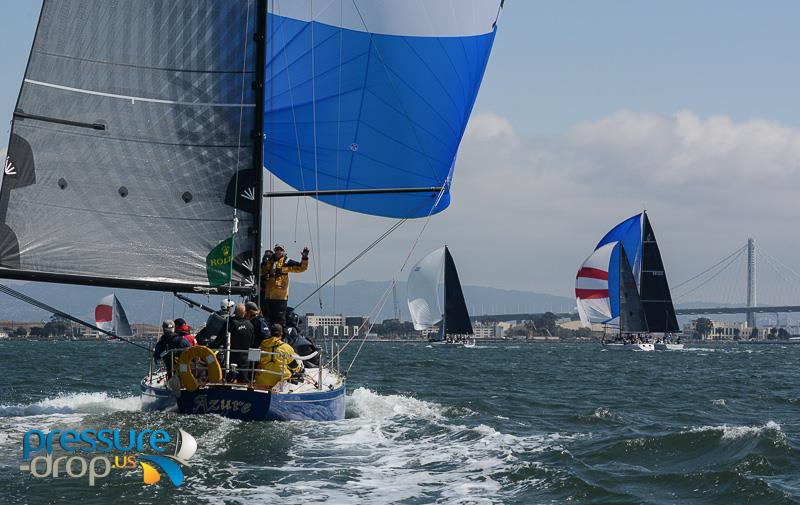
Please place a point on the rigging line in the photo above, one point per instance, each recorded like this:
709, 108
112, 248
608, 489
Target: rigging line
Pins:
271, 34
712, 277
235, 228
338, 154
676, 286
381, 302
356, 258
366, 333
297, 144
422, 231
394, 279
36, 303
317, 257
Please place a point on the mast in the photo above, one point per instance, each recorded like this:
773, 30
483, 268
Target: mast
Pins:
258, 136
444, 312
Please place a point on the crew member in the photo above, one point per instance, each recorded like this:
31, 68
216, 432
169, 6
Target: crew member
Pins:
216, 323
279, 363
275, 270
184, 330
260, 325
302, 344
169, 340
241, 339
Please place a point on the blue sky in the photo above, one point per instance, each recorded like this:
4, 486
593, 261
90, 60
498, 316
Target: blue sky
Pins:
590, 110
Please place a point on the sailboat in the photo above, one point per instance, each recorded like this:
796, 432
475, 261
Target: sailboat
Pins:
623, 284
143, 131
435, 299
110, 316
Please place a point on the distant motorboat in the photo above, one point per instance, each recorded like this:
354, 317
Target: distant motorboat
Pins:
469, 345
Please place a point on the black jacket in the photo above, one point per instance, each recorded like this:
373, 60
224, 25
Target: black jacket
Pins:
169, 340
215, 327
260, 329
242, 336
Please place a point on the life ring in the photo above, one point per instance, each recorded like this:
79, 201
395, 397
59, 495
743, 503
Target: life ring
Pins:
188, 380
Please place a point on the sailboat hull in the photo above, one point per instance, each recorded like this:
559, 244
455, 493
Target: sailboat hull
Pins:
629, 347
156, 395
247, 404
254, 405
669, 347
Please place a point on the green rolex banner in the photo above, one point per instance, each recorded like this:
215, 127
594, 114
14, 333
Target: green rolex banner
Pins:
219, 263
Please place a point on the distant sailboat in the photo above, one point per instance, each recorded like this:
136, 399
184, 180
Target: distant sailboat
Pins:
110, 316
425, 303
623, 283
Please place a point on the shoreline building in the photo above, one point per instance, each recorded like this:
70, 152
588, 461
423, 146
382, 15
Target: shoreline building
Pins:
336, 326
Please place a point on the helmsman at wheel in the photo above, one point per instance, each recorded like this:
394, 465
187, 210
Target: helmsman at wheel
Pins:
275, 270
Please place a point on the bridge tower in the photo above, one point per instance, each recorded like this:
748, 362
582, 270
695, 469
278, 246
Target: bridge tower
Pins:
751, 281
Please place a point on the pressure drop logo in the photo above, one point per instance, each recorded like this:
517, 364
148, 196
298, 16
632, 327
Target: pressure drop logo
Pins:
93, 454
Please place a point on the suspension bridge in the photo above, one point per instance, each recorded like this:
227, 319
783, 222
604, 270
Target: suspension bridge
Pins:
729, 286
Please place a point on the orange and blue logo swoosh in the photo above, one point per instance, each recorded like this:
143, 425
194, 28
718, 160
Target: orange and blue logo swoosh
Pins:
167, 465
170, 465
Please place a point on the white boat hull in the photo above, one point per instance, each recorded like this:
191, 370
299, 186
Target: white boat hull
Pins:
669, 347
629, 347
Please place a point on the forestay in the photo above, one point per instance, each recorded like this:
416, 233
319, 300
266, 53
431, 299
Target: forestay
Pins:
131, 145
365, 94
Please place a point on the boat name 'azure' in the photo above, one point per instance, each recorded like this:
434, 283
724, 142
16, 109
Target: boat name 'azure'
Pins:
203, 405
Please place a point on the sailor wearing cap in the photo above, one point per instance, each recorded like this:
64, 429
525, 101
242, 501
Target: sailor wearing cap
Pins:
275, 270
217, 324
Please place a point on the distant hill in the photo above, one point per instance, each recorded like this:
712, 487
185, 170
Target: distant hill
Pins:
352, 298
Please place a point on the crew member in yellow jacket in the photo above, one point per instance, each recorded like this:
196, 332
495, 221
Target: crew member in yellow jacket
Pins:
275, 270
280, 363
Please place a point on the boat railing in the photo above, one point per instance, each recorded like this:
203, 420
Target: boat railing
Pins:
254, 356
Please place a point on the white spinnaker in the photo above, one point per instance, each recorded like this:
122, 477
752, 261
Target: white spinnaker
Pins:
423, 290
591, 286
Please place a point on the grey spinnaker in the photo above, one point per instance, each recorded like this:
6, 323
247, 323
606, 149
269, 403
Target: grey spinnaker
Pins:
132, 144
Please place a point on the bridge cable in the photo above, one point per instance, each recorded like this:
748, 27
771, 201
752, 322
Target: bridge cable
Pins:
738, 251
725, 267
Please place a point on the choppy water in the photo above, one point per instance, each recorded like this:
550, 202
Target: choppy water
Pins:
495, 424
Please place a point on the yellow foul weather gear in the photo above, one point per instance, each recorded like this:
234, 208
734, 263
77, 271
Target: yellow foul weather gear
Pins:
282, 363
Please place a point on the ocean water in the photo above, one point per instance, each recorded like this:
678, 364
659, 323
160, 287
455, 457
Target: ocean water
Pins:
506, 424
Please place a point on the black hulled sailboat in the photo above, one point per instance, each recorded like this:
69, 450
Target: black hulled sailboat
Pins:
435, 298
623, 283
